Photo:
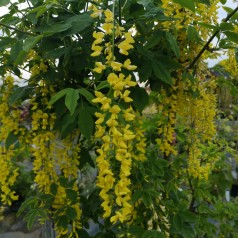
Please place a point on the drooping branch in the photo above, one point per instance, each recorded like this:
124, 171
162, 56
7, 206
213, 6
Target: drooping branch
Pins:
206, 46
16, 29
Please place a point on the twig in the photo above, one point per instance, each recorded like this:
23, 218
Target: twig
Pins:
206, 46
16, 29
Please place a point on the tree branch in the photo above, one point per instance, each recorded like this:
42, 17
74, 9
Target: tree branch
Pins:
16, 29
206, 46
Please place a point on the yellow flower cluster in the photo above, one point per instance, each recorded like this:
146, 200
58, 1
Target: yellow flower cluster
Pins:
115, 125
198, 116
9, 122
185, 17
54, 158
166, 125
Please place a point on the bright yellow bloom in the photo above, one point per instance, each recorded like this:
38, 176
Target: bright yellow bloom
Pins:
109, 15
107, 27
116, 66
127, 65
100, 67
98, 37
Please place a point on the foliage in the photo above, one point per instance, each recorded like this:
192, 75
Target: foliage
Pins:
72, 102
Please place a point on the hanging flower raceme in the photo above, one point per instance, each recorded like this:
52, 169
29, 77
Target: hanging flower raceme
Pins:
115, 125
9, 123
55, 160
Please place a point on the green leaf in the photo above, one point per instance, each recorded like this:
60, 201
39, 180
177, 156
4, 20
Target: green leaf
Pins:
161, 72
71, 100
225, 26
63, 222
18, 93
153, 234
63, 181
53, 188
57, 28
140, 97
29, 43
136, 196
236, 54
59, 95
207, 2
192, 35
4, 3
72, 195
28, 203
209, 26
173, 44
85, 157
232, 36
103, 84
137, 231
223, 1
20, 58
71, 213
11, 139
31, 218
85, 122
79, 23
86, 94
186, 3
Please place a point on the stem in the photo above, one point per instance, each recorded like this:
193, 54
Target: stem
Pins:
206, 46
16, 29
119, 7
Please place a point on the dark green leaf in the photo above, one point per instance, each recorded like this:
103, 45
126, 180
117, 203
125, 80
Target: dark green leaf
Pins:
20, 58
223, 1
71, 100
161, 72
232, 36
85, 122
63, 182
207, 2
71, 213
72, 195
85, 157
83, 234
31, 218
79, 23
136, 196
186, 3
173, 44
53, 188
140, 97
57, 28
192, 35
29, 43
63, 222
11, 139
236, 54
18, 93
4, 2
103, 84
59, 95
86, 94
153, 234
225, 26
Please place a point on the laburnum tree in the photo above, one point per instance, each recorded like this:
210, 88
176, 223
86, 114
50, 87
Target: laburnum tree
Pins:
119, 91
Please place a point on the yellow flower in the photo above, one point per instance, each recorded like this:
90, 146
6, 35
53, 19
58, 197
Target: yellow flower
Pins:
100, 67
125, 97
109, 15
98, 37
107, 27
116, 66
97, 50
127, 65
